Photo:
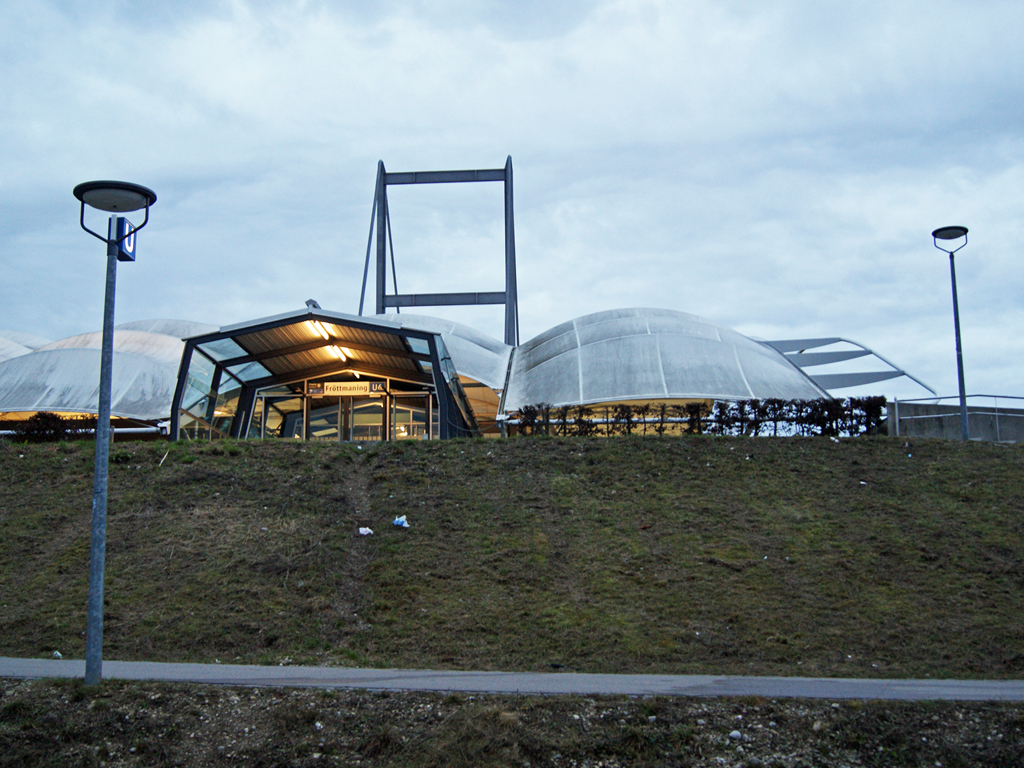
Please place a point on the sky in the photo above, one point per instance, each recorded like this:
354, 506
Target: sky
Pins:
773, 167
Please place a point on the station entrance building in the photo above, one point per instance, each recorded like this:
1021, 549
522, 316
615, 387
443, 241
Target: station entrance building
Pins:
319, 375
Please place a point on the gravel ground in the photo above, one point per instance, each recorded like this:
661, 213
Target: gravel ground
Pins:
135, 724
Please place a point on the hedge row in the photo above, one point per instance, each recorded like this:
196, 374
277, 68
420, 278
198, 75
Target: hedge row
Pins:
46, 427
771, 416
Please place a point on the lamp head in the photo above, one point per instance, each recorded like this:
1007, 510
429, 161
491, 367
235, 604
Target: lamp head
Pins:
115, 196
949, 233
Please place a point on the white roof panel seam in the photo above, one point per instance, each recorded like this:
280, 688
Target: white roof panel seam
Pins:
579, 362
739, 367
661, 365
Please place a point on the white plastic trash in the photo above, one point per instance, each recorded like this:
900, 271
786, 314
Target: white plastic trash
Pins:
401, 522
365, 531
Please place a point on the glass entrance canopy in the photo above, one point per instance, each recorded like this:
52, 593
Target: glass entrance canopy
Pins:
319, 375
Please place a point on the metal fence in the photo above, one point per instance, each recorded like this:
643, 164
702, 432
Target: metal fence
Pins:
991, 418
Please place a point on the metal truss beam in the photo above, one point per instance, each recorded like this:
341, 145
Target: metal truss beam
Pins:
380, 232
444, 177
443, 299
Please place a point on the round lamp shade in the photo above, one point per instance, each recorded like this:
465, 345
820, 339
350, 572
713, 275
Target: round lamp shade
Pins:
949, 233
115, 196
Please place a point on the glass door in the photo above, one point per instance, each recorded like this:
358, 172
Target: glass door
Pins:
325, 418
367, 419
280, 417
409, 417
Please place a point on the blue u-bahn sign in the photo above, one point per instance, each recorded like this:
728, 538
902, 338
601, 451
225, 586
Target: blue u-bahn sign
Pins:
124, 235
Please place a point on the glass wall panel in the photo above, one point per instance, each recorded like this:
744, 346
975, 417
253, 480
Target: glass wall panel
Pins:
282, 417
249, 371
324, 418
198, 383
222, 349
195, 400
419, 346
192, 428
255, 431
410, 417
271, 407
227, 403
367, 419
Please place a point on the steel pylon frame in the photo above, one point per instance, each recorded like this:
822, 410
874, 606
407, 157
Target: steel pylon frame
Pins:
380, 231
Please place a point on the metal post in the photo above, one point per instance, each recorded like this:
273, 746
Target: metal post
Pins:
369, 240
964, 428
381, 207
511, 289
114, 197
98, 549
306, 411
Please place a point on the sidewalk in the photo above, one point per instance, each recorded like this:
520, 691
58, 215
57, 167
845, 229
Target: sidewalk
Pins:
533, 683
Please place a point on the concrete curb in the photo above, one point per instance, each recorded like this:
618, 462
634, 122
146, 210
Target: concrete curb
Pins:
532, 683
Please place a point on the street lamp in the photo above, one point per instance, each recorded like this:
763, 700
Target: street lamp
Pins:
114, 197
946, 234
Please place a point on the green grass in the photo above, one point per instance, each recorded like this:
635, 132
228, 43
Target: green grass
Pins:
220, 551
790, 556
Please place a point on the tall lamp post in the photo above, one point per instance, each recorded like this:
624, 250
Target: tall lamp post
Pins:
114, 197
947, 234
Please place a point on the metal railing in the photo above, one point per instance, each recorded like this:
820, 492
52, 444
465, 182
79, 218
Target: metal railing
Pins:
974, 412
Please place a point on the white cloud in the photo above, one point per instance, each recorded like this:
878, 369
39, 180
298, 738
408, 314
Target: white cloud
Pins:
774, 168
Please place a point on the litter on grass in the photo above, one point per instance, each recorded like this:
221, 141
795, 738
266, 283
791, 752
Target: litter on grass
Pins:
401, 522
365, 531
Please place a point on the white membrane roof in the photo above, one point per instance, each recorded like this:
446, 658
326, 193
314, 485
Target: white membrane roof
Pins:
614, 356
644, 354
63, 376
16, 344
475, 355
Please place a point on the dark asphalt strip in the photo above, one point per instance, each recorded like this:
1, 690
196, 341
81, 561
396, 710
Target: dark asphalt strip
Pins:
553, 683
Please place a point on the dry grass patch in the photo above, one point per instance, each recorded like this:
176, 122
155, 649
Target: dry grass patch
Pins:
791, 556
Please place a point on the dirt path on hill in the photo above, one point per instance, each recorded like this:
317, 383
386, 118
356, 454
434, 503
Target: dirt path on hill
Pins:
356, 486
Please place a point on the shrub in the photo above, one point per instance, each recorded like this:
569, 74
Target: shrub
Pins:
771, 416
46, 427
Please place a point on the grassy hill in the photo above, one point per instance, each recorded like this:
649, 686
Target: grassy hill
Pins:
859, 557
862, 557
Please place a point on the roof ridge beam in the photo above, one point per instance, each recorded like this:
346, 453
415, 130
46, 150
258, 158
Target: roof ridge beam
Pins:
318, 344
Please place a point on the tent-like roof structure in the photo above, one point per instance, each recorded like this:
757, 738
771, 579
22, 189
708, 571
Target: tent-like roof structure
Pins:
622, 355
63, 376
645, 354
16, 344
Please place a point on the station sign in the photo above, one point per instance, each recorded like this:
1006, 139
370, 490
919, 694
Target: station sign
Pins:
124, 233
348, 388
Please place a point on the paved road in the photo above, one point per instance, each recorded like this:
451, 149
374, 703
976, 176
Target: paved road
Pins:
527, 682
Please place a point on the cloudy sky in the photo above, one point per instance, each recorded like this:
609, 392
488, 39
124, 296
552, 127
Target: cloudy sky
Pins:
774, 167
